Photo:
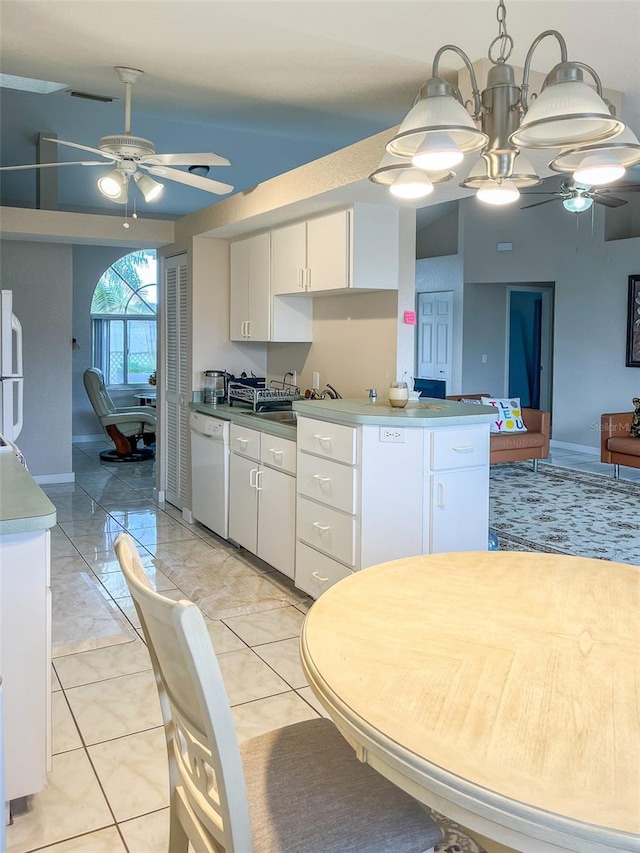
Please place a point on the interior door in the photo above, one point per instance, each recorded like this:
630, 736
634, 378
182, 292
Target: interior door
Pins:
530, 345
435, 335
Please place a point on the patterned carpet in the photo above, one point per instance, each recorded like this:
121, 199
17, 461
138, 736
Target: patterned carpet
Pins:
455, 840
562, 511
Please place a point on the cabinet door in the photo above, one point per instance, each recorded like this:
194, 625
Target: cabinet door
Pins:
288, 259
259, 288
176, 378
276, 519
243, 502
328, 251
239, 290
460, 510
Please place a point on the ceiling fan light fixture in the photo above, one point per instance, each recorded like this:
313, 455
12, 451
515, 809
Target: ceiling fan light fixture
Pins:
149, 188
113, 186
577, 203
498, 193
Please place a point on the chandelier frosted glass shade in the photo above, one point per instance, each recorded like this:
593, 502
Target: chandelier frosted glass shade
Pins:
391, 168
566, 114
411, 184
149, 188
432, 120
114, 186
600, 163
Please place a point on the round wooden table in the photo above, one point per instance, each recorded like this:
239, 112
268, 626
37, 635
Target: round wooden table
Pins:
500, 688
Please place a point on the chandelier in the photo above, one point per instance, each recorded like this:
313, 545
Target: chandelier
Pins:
568, 114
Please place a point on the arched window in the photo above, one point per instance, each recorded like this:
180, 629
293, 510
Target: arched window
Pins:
123, 317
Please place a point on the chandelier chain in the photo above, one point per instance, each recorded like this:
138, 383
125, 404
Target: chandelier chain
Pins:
503, 39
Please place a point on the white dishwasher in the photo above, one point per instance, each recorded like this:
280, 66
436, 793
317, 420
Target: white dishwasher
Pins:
210, 472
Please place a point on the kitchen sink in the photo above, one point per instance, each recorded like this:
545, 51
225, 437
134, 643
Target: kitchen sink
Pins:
287, 417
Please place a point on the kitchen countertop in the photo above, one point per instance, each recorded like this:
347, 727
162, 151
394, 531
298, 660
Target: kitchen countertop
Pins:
24, 507
424, 413
244, 417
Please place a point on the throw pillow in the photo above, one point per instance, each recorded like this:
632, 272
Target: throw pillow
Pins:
509, 418
635, 422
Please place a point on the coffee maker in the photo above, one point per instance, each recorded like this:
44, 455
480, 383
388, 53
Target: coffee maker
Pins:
214, 386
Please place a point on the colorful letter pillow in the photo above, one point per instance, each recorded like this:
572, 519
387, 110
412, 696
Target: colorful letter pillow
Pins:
509, 416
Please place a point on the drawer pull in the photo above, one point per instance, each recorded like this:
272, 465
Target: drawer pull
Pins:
253, 477
318, 578
276, 452
322, 528
441, 495
243, 442
322, 438
463, 448
321, 479
259, 481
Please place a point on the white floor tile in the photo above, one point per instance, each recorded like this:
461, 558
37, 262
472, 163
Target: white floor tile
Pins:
273, 712
280, 623
284, 657
103, 841
99, 664
64, 733
147, 834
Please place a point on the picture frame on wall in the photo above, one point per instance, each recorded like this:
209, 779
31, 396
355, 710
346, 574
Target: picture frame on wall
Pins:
633, 322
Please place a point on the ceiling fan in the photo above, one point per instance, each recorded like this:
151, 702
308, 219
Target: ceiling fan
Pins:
576, 197
135, 157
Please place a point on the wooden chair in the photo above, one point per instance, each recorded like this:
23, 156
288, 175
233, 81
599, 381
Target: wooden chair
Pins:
124, 426
298, 789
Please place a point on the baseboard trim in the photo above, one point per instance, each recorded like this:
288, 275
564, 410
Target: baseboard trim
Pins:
82, 439
50, 479
577, 448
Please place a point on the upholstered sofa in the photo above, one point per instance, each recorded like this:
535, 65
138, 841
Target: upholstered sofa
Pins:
616, 444
515, 447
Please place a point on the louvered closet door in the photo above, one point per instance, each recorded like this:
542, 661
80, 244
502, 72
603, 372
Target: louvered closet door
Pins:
176, 382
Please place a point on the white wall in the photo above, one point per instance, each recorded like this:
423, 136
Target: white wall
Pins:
591, 279
41, 277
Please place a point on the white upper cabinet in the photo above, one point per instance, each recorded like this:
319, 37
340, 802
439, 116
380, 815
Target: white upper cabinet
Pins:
250, 297
350, 249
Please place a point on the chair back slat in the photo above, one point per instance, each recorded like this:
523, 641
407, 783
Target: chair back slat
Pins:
205, 768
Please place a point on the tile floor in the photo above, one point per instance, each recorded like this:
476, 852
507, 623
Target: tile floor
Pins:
108, 792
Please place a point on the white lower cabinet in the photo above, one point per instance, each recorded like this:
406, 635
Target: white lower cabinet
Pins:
262, 490
368, 494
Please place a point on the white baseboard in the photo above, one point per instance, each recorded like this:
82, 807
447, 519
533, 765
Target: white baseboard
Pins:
50, 479
81, 439
577, 448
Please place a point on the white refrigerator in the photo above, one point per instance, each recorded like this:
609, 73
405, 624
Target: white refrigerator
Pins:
11, 379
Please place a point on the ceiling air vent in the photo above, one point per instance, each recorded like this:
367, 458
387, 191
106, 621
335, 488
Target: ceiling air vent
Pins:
89, 96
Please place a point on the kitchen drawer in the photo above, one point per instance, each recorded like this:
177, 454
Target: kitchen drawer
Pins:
278, 453
459, 448
245, 442
329, 482
315, 572
333, 441
328, 530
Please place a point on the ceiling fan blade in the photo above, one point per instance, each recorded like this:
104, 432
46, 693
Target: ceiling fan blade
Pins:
50, 165
625, 188
203, 159
82, 148
207, 184
538, 203
609, 200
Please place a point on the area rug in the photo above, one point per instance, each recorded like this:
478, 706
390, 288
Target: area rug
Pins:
455, 839
563, 511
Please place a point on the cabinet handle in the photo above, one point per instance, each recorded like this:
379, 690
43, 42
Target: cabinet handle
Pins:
321, 479
248, 322
318, 578
243, 328
259, 480
301, 277
463, 448
308, 278
243, 443
320, 527
441, 495
322, 438
252, 477
276, 452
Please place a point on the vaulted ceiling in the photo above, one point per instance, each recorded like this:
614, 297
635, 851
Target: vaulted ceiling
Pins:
268, 84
